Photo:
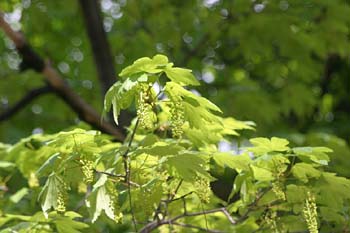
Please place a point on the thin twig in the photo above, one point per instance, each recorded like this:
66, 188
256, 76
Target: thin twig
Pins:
205, 216
178, 198
118, 176
228, 216
110, 174
177, 189
184, 204
126, 160
170, 199
252, 205
155, 224
195, 227
200, 213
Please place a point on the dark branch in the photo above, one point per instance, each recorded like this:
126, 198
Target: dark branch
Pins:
155, 224
30, 59
29, 97
102, 52
99, 43
33, 61
330, 68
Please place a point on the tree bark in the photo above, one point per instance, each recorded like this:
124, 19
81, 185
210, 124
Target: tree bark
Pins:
99, 43
102, 52
32, 60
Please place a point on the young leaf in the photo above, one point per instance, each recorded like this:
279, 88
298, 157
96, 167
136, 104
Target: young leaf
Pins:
231, 126
264, 145
304, 171
68, 225
237, 162
146, 65
99, 200
120, 96
48, 165
262, 174
188, 165
313, 154
49, 193
160, 149
181, 76
198, 110
6, 165
15, 198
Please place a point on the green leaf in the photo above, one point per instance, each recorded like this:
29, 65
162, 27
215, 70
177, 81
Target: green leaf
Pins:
188, 165
181, 76
175, 91
332, 215
313, 154
249, 225
67, 225
149, 140
304, 171
237, 162
147, 65
264, 145
330, 186
49, 193
160, 149
294, 223
295, 193
262, 174
48, 165
99, 200
231, 126
26, 159
120, 96
199, 111
6, 165
15, 198
244, 185
9, 217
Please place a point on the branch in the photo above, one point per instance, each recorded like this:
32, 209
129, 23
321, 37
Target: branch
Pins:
110, 174
56, 82
29, 97
99, 43
155, 224
179, 198
195, 227
252, 206
101, 51
330, 68
126, 161
118, 176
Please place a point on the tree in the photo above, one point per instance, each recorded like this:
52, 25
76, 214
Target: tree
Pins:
277, 57
280, 57
161, 175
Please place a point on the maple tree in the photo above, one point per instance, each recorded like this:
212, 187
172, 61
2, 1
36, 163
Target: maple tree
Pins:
157, 154
161, 176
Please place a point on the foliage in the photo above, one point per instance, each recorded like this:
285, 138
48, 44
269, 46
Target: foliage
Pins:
283, 64
161, 177
264, 61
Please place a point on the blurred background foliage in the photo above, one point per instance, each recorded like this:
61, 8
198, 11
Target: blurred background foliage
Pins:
282, 64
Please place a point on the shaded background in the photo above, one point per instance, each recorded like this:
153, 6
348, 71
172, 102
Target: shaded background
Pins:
282, 64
